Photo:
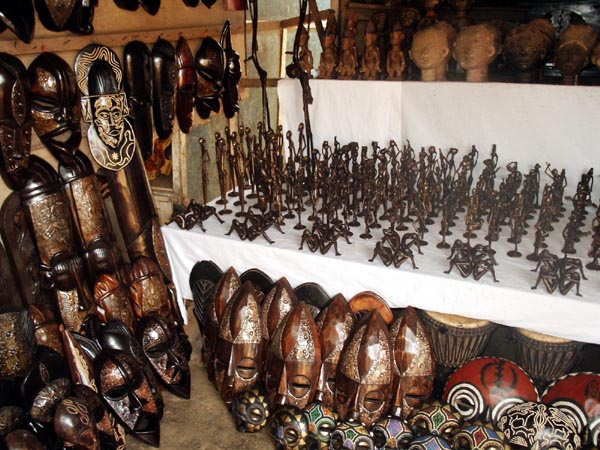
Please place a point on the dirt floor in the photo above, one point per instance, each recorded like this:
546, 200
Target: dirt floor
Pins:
203, 422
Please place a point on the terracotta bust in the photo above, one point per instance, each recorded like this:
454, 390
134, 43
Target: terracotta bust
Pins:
475, 49
574, 51
431, 50
526, 48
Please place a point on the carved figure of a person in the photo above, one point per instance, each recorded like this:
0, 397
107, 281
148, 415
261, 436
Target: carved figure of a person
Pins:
526, 48
431, 50
574, 50
371, 60
475, 49
396, 61
329, 55
305, 56
349, 57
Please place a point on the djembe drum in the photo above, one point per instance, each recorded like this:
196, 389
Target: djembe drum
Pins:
544, 357
456, 339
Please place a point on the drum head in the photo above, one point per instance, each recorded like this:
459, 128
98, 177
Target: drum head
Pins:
203, 278
366, 301
261, 281
313, 295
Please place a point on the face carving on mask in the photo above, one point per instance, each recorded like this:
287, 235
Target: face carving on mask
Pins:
293, 360
15, 121
391, 433
289, 428
163, 348
250, 410
364, 374
321, 423
479, 437
239, 351
335, 324
187, 81
164, 82
126, 390
414, 365
351, 436
429, 443
75, 424
437, 419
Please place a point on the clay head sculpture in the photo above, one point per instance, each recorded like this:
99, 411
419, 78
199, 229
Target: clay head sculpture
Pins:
573, 53
431, 50
527, 46
475, 49
15, 121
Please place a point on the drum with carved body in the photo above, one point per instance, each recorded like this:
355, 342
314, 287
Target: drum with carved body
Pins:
544, 357
456, 339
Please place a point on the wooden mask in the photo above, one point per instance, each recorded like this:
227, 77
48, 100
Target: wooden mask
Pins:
164, 84
187, 85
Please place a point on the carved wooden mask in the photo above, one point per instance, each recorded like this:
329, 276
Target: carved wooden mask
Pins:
187, 84
164, 84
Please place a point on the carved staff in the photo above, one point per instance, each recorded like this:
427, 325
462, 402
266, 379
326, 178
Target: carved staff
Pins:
262, 73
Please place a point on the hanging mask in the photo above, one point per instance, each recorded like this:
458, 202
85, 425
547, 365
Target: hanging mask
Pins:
364, 375
480, 437
54, 14
414, 365
484, 388
150, 6
112, 300
204, 277
129, 5
321, 423
250, 410
293, 360
391, 433
15, 120
233, 73
210, 65
55, 105
536, 426
100, 79
238, 357
22, 440
81, 21
191, 3
75, 425
147, 288
17, 338
351, 436
429, 443
577, 395
187, 85
163, 348
436, 419
275, 307
224, 291
46, 385
164, 83
46, 327
289, 428
19, 17
335, 324
126, 390
137, 63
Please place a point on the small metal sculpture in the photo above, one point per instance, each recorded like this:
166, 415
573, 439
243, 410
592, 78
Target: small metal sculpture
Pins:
323, 237
253, 226
564, 273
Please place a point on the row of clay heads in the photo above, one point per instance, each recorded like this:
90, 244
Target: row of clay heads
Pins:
360, 367
86, 391
525, 49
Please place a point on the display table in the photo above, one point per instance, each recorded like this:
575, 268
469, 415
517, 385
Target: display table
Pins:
511, 301
528, 123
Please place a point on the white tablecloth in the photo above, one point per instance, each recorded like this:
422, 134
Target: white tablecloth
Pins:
510, 302
529, 123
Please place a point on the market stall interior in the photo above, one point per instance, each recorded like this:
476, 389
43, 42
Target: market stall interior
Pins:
378, 254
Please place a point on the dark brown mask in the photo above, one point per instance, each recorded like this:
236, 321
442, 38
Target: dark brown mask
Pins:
125, 388
81, 21
364, 375
164, 83
17, 338
187, 82
163, 348
210, 64
46, 327
293, 360
224, 290
335, 324
56, 107
15, 120
414, 364
75, 425
233, 73
55, 14
137, 63
22, 440
112, 300
148, 291
239, 354
46, 385
19, 17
